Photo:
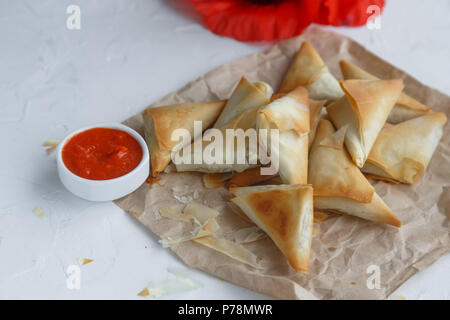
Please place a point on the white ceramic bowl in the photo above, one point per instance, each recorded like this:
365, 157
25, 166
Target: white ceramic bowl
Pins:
104, 190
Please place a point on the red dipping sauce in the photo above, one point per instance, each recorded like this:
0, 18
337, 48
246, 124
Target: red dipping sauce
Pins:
101, 153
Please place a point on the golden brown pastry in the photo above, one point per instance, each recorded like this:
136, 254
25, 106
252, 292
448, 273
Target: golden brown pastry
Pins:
339, 186
315, 110
308, 70
315, 113
285, 213
249, 177
160, 122
364, 109
238, 113
376, 210
245, 96
402, 152
290, 115
246, 120
404, 109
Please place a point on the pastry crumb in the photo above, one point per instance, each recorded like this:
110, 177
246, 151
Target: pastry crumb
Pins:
84, 261
51, 145
38, 212
144, 293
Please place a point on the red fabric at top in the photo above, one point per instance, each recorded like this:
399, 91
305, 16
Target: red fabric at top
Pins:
253, 20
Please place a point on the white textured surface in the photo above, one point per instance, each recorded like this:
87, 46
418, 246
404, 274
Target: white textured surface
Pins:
127, 55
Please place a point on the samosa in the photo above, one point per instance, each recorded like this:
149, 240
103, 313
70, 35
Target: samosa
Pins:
339, 186
308, 70
364, 109
290, 116
404, 109
245, 96
161, 122
402, 152
285, 214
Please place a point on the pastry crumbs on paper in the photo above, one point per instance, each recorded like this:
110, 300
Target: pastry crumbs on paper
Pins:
247, 235
316, 230
183, 199
203, 217
203, 214
170, 213
199, 232
214, 180
231, 249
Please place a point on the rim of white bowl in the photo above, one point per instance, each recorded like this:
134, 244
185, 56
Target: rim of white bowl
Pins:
106, 125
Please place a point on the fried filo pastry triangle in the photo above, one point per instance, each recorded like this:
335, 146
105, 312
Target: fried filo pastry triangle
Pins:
339, 186
245, 96
364, 108
290, 116
308, 70
404, 109
315, 110
285, 214
241, 108
402, 152
160, 123
253, 176
315, 113
243, 156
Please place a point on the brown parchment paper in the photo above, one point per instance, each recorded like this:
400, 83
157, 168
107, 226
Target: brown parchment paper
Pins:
346, 246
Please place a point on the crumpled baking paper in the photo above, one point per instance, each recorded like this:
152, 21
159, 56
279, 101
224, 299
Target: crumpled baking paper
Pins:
349, 255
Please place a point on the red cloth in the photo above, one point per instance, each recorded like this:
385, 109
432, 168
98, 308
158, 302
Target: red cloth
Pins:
253, 20
346, 12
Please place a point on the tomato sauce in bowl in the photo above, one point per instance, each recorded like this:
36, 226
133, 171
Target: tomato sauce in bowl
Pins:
101, 153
